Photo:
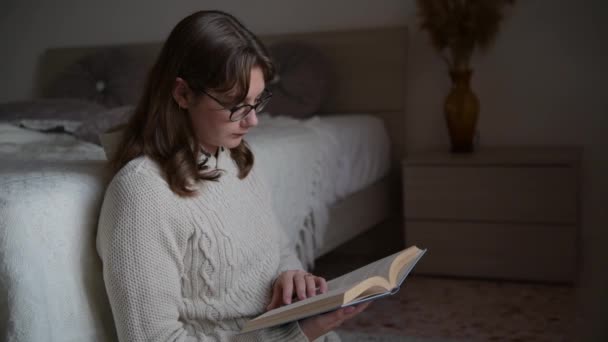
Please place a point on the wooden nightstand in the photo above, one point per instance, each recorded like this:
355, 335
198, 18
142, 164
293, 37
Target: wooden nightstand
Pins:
509, 213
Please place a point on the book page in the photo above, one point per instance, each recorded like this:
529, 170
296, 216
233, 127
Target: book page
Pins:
379, 268
403, 264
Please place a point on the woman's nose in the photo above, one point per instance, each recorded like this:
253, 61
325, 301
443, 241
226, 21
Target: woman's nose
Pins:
251, 120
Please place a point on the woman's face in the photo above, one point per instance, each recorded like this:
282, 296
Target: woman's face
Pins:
212, 123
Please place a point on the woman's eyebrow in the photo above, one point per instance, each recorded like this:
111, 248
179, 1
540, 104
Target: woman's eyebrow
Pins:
257, 97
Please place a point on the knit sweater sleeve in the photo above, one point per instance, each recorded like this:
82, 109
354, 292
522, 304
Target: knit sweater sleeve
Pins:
141, 245
289, 259
141, 260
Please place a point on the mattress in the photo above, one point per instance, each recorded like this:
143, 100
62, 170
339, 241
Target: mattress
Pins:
307, 164
355, 147
51, 189
360, 148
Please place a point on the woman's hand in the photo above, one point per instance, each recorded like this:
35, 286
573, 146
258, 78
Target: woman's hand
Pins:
318, 326
300, 282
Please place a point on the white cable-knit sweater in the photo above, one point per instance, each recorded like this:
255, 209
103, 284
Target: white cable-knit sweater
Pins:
191, 269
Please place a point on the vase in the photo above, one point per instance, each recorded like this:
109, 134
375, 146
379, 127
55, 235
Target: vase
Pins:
461, 111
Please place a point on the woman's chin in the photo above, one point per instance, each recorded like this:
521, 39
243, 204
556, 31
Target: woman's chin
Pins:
233, 142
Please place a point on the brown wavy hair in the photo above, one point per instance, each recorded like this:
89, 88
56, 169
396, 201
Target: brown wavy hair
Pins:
210, 50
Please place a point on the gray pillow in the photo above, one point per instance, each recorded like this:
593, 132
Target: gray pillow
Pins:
112, 77
304, 79
102, 122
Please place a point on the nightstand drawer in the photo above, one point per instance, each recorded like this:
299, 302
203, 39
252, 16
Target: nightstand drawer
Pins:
491, 193
513, 251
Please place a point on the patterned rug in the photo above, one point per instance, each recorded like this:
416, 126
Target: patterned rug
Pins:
451, 309
350, 336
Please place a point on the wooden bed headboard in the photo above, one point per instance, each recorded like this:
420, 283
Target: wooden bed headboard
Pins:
370, 71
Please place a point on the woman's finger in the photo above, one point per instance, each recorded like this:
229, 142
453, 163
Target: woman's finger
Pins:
287, 286
321, 284
311, 286
354, 310
332, 319
340, 315
364, 305
275, 302
361, 307
300, 284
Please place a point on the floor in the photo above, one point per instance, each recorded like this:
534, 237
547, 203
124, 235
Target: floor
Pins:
452, 308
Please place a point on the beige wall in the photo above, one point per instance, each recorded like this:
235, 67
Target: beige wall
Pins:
28, 27
540, 83
544, 82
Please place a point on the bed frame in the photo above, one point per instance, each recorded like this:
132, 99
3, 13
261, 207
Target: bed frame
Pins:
370, 70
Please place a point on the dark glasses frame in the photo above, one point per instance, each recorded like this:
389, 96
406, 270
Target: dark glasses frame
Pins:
264, 98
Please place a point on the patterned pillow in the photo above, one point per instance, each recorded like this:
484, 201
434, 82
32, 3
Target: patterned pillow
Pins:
304, 79
112, 77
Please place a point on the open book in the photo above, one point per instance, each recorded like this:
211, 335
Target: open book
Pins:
378, 279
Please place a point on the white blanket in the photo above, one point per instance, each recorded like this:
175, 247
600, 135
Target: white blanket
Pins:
311, 164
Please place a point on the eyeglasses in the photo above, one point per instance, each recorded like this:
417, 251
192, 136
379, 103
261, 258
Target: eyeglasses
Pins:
239, 112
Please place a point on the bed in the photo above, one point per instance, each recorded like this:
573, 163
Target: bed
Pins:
51, 184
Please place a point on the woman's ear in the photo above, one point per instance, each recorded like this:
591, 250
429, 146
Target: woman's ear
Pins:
181, 93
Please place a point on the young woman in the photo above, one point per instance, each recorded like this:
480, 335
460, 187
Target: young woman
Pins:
190, 246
